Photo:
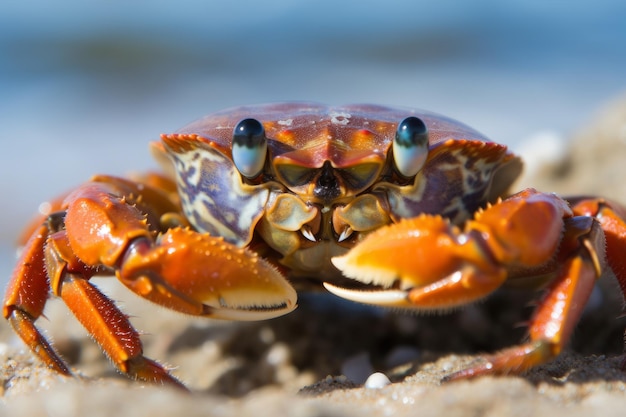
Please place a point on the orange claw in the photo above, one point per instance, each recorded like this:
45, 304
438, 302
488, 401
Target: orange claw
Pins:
426, 263
183, 270
113, 225
203, 275
438, 266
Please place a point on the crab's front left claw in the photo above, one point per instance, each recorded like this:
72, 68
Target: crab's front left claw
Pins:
204, 275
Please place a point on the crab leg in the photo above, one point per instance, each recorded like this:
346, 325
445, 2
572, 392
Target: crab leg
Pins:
112, 330
425, 263
26, 297
612, 219
558, 312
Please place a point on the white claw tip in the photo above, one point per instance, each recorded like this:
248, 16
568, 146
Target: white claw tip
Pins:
388, 298
339, 262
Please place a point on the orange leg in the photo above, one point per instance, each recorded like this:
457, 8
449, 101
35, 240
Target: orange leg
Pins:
48, 265
558, 312
111, 329
26, 297
612, 217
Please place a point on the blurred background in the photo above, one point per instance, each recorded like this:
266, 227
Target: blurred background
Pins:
84, 86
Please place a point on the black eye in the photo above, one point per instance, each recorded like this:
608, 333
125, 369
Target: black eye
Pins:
410, 147
249, 147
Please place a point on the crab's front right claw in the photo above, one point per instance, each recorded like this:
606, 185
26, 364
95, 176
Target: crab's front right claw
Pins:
203, 275
423, 263
427, 263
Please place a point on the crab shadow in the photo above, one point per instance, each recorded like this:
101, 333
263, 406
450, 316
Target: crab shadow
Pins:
327, 337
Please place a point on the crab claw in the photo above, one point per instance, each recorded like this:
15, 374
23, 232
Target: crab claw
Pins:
423, 263
203, 275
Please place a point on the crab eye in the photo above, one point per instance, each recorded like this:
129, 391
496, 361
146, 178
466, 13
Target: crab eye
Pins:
410, 147
249, 147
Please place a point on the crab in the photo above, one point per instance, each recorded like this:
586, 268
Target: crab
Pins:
393, 207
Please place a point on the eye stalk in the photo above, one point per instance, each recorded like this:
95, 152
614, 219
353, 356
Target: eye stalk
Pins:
249, 147
410, 146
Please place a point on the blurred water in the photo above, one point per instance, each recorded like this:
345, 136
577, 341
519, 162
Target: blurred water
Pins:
84, 86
